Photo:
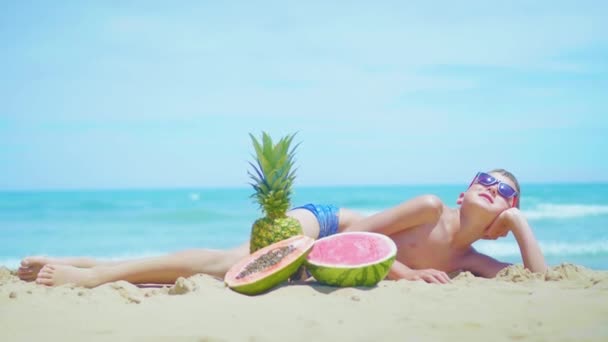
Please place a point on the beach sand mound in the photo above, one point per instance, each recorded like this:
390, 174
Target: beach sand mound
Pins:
582, 276
6, 275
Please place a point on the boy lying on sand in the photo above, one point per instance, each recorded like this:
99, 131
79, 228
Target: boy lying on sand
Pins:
432, 240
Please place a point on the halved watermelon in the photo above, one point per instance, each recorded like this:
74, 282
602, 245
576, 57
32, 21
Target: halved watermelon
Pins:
351, 259
269, 266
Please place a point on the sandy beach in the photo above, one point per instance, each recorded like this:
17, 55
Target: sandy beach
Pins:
568, 303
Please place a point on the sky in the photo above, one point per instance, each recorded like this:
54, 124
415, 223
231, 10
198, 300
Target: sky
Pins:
118, 94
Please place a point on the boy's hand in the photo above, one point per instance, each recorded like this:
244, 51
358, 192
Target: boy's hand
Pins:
400, 271
501, 225
429, 275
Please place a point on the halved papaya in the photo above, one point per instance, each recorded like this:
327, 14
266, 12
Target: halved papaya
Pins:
269, 266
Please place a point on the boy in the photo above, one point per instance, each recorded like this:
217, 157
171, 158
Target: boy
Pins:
432, 239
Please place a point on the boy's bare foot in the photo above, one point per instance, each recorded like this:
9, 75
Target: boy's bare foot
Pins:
30, 266
55, 275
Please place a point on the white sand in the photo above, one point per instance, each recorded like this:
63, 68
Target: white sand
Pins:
569, 303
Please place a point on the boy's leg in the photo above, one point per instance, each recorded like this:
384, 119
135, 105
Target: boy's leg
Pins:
159, 270
30, 266
310, 223
166, 269
347, 217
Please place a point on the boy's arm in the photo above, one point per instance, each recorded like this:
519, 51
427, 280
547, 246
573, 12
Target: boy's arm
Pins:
415, 212
482, 265
511, 219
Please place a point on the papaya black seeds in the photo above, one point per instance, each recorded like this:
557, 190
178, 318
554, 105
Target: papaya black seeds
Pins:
266, 260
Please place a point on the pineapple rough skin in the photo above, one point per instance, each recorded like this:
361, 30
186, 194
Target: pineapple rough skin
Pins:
266, 231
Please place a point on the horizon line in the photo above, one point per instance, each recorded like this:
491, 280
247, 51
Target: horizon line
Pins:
248, 187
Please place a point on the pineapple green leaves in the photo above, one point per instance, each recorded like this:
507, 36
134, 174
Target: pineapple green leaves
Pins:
273, 174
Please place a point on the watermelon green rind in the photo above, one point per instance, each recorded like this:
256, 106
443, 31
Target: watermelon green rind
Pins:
264, 280
351, 276
363, 274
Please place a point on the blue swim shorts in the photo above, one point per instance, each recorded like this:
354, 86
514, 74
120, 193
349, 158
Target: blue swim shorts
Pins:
327, 215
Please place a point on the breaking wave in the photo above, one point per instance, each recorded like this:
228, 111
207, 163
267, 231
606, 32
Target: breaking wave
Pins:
565, 211
506, 249
546, 211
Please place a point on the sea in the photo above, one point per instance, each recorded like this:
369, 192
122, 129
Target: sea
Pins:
569, 220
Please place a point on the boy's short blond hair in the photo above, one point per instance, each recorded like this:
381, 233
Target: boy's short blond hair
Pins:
513, 179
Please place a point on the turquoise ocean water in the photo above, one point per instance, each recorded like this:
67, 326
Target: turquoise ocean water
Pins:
570, 220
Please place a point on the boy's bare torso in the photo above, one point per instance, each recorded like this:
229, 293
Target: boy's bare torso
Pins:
430, 245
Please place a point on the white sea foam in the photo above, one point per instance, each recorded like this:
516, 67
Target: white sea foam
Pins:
544, 211
565, 211
505, 249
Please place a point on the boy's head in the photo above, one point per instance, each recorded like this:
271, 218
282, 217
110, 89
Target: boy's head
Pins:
515, 184
497, 185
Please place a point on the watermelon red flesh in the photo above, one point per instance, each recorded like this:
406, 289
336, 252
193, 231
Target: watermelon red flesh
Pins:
268, 266
350, 250
352, 259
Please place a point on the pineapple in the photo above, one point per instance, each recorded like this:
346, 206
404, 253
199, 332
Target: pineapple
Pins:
272, 180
